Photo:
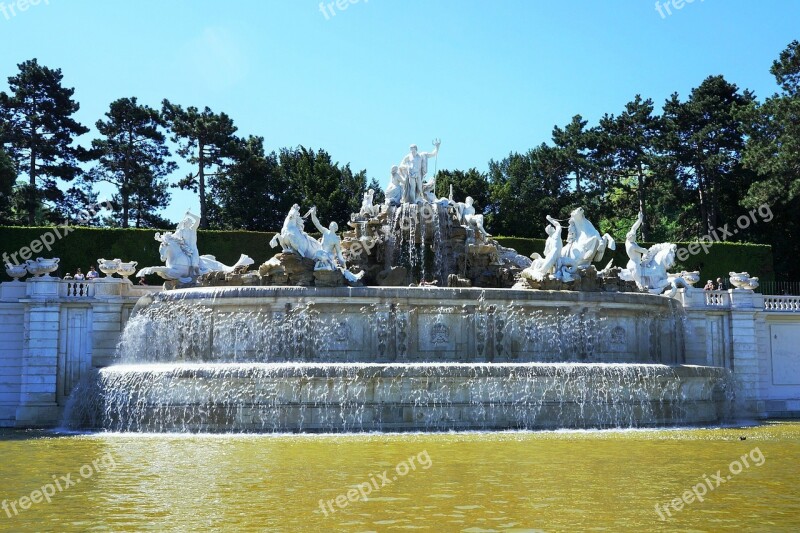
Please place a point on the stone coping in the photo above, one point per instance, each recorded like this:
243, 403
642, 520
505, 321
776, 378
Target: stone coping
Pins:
459, 295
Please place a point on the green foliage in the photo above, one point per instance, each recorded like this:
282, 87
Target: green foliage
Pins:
524, 188
465, 183
315, 180
38, 125
8, 178
206, 139
132, 156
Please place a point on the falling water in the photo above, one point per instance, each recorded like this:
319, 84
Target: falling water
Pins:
426, 396
281, 359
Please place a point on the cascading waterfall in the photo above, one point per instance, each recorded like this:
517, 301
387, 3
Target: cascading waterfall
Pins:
364, 397
288, 359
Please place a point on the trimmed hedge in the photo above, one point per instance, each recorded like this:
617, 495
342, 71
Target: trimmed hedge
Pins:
81, 247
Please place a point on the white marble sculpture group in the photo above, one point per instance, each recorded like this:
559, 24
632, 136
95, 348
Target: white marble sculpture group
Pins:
561, 261
178, 249
647, 267
325, 252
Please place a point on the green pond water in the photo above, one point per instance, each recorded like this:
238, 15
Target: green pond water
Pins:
478, 482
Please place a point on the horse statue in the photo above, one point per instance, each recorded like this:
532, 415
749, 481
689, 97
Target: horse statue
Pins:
648, 267
584, 246
179, 265
179, 251
294, 239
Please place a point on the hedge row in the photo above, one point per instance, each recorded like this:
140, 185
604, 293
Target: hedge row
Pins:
81, 247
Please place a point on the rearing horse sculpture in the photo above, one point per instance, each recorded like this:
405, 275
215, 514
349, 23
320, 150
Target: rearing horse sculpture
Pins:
584, 245
179, 255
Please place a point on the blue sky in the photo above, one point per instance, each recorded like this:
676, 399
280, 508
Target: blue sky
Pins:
488, 77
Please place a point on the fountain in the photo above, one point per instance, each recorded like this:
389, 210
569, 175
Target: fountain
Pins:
408, 322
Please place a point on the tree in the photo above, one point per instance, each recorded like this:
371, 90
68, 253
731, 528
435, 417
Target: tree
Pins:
526, 188
314, 179
706, 139
206, 139
773, 147
465, 183
627, 149
574, 144
379, 197
133, 156
8, 178
40, 130
252, 193
773, 152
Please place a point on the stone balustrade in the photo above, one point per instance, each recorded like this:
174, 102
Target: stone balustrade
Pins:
790, 304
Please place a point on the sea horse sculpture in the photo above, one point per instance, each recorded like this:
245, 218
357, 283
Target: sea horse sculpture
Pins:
178, 249
584, 246
647, 267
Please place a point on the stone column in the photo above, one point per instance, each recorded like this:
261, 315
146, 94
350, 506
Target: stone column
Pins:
107, 319
37, 403
746, 310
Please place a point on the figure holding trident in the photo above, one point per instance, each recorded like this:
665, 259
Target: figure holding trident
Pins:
415, 166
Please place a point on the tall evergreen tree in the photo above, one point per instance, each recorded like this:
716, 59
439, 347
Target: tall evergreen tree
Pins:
133, 156
773, 152
40, 131
465, 183
706, 139
252, 193
206, 140
525, 188
316, 180
574, 143
627, 148
8, 178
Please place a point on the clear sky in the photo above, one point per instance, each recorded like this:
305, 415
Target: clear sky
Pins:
488, 77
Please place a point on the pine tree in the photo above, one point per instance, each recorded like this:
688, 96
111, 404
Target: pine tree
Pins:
206, 139
40, 131
133, 156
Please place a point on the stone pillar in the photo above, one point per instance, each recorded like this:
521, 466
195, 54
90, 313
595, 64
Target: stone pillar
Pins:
746, 310
107, 319
37, 402
12, 326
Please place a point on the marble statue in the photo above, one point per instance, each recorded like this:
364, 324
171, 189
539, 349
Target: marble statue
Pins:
545, 266
330, 257
368, 209
293, 238
326, 252
331, 244
415, 167
584, 246
178, 249
633, 270
648, 267
186, 234
395, 191
469, 217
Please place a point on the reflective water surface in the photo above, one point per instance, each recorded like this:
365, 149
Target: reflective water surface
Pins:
478, 482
